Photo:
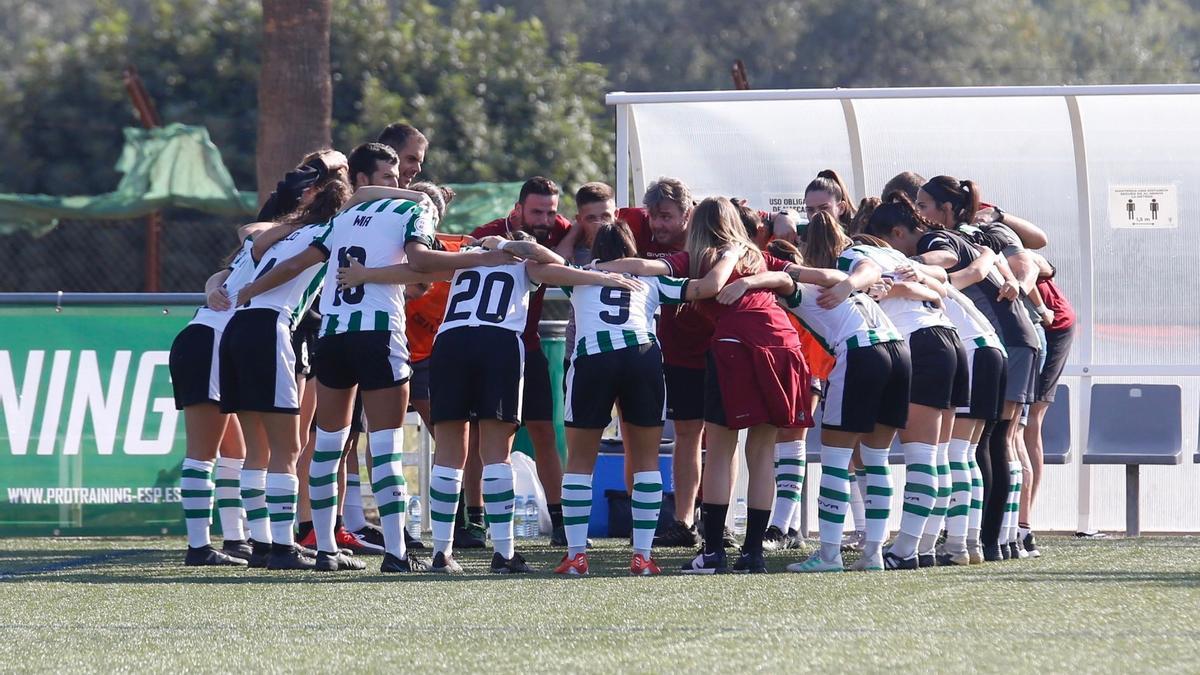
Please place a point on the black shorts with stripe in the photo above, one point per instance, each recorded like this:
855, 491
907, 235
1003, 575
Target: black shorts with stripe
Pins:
989, 376
631, 377
368, 359
258, 366
869, 385
194, 365
939, 366
476, 372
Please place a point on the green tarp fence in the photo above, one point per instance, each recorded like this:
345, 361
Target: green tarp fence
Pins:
178, 166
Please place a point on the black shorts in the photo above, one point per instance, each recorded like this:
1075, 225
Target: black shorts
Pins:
304, 342
1022, 374
368, 359
939, 367
989, 375
1058, 348
536, 404
685, 392
194, 364
418, 386
713, 406
631, 377
476, 373
869, 385
258, 366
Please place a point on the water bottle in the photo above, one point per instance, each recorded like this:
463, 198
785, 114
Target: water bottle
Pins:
414, 517
739, 518
532, 518
519, 517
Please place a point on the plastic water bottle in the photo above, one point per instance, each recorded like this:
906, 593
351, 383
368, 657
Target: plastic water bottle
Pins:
414, 517
533, 526
519, 517
739, 517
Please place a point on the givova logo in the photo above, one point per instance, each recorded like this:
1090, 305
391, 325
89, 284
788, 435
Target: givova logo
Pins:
120, 397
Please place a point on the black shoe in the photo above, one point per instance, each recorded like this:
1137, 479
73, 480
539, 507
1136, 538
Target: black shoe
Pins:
207, 556
1005, 552
706, 563
728, 540
393, 564
795, 539
310, 553
514, 565
1014, 551
237, 548
926, 560
1030, 545
412, 543
891, 561
753, 563
284, 558
465, 538
558, 537
774, 539
258, 555
676, 534
337, 562
992, 554
445, 564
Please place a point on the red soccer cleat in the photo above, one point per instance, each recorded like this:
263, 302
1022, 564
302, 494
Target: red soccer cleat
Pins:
576, 566
643, 567
309, 540
345, 539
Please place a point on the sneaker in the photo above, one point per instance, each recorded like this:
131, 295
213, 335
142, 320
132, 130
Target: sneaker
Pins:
892, 561
853, 541
1016, 552
290, 559
643, 567
558, 537
466, 538
1005, 552
976, 554
573, 566
947, 559
411, 563
867, 564
337, 562
815, 563
677, 534
752, 563
514, 565
207, 556
706, 563
345, 540
410, 542
258, 554
1030, 545
728, 540
795, 539
371, 539
774, 539
237, 548
444, 564
992, 554
309, 540
926, 560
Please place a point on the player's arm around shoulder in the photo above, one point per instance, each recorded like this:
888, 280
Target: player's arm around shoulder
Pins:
563, 275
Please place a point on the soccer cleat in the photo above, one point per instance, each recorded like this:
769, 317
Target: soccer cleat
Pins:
410, 542
976, 554
309, 540
349, 541
207, 556
1030, 545
706, 563
514, 565
677, 534
305, 551
469, 538
1005, 552
853, 541
728, 540
558, 537
370, 537
815, 563
867, 564
444, 564
643, 567
289, 559
259, 554
411, 563
573, 566
774, 539
752, 563
337, 562
237, 548
795, 539
945, 559
992, 554
926, 560
892, 561
1016, 552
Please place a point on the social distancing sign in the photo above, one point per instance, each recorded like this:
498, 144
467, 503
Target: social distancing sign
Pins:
1143, 206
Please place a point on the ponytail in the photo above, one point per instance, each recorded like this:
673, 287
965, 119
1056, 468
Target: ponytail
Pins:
828, 180
865, 208
961, 195
325, 204
824, 241
895, 211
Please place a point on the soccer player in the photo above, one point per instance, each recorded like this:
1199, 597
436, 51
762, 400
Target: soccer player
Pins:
828, 193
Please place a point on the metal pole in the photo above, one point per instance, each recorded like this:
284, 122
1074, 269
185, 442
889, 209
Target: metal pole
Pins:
623, 156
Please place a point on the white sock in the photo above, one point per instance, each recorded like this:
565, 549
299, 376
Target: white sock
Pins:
789, 481
323, 485
833, 500
389, 486
254, 497
1014, 502
877, 498
960, 496
645, 504
282, 489
229, 498
352, 504
498, 503
975, 513
196, 493
577, 510
445, 485
858, 507
920, 493
941, 503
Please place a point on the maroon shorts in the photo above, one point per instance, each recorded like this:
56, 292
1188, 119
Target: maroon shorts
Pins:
750, 385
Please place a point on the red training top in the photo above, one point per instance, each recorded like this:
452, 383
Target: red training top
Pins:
1052, 295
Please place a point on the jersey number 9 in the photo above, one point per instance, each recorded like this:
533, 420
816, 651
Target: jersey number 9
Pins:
618, 298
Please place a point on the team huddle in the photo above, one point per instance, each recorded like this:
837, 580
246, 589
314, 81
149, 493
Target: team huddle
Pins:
920, 324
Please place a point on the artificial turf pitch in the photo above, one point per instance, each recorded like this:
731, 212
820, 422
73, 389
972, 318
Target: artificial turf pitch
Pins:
110, 605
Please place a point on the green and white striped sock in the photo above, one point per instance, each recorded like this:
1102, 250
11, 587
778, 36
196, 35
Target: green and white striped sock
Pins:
960, 495
352, 504
389, 486
445, 485
229, 497
877, 500
920, 492
498, 503
646, 503
254, 498
858, 505
282, 489
975, 514
577, 510
833, 500
789, 482
1012, 514
196, 493
941, 503
323, 484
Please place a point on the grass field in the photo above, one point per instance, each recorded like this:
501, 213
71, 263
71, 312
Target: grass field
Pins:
122, 605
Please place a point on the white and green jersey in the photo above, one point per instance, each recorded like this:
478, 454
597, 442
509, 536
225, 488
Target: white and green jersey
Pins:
292, 298
857, 322
373, 233
241, 272
974, 330
489, 296
906, 314
608, 319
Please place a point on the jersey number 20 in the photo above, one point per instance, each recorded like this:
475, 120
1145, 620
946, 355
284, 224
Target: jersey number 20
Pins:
473, 283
